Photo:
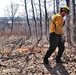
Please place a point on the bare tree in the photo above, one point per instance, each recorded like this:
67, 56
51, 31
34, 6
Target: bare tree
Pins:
57, 5
40, 17
11, 12
37, 17
72, 23
74, 15
54, 6
34, 16
68, 36
67, 2
46, 17
27, 17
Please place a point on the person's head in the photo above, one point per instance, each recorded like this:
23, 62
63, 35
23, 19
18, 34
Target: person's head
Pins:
64, 11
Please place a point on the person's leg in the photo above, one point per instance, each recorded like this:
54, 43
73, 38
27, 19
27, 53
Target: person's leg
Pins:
60, 52
53, 44
49, 52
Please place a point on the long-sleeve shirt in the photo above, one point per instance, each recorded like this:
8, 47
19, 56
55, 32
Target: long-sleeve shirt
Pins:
56, 24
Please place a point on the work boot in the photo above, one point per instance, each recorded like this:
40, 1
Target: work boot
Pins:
59, 60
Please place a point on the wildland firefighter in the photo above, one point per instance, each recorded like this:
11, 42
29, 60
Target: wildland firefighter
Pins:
55, 36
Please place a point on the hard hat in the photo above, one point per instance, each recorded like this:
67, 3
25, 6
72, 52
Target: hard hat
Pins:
65, 8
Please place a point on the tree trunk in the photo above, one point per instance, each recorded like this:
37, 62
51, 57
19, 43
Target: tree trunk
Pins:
57, 5
27, 17
73, 1
73, 26
54, 6
40, 18
34, 16
68, 36
12, 25
46, 17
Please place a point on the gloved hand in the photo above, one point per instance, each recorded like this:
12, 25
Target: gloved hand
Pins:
64, 18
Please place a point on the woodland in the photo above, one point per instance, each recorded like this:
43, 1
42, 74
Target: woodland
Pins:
24, 38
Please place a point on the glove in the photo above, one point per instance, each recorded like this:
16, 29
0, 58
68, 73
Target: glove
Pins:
64, 18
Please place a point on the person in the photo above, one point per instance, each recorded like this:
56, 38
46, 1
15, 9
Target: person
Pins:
56, 33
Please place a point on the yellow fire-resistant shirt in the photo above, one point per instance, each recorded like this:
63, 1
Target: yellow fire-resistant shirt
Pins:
56, 24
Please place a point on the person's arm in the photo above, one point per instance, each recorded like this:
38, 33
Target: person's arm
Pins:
58, 22
64, 18
63, 23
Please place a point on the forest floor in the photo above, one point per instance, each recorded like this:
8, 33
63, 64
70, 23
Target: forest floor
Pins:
22, 56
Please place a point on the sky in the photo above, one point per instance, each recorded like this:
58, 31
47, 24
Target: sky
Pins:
3, 4
6, 3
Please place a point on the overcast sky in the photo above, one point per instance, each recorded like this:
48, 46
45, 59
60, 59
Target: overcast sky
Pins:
5, 3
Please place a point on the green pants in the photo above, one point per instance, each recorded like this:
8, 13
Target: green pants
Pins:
55, 41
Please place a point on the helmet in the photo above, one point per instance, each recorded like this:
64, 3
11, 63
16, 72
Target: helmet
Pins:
65, 8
